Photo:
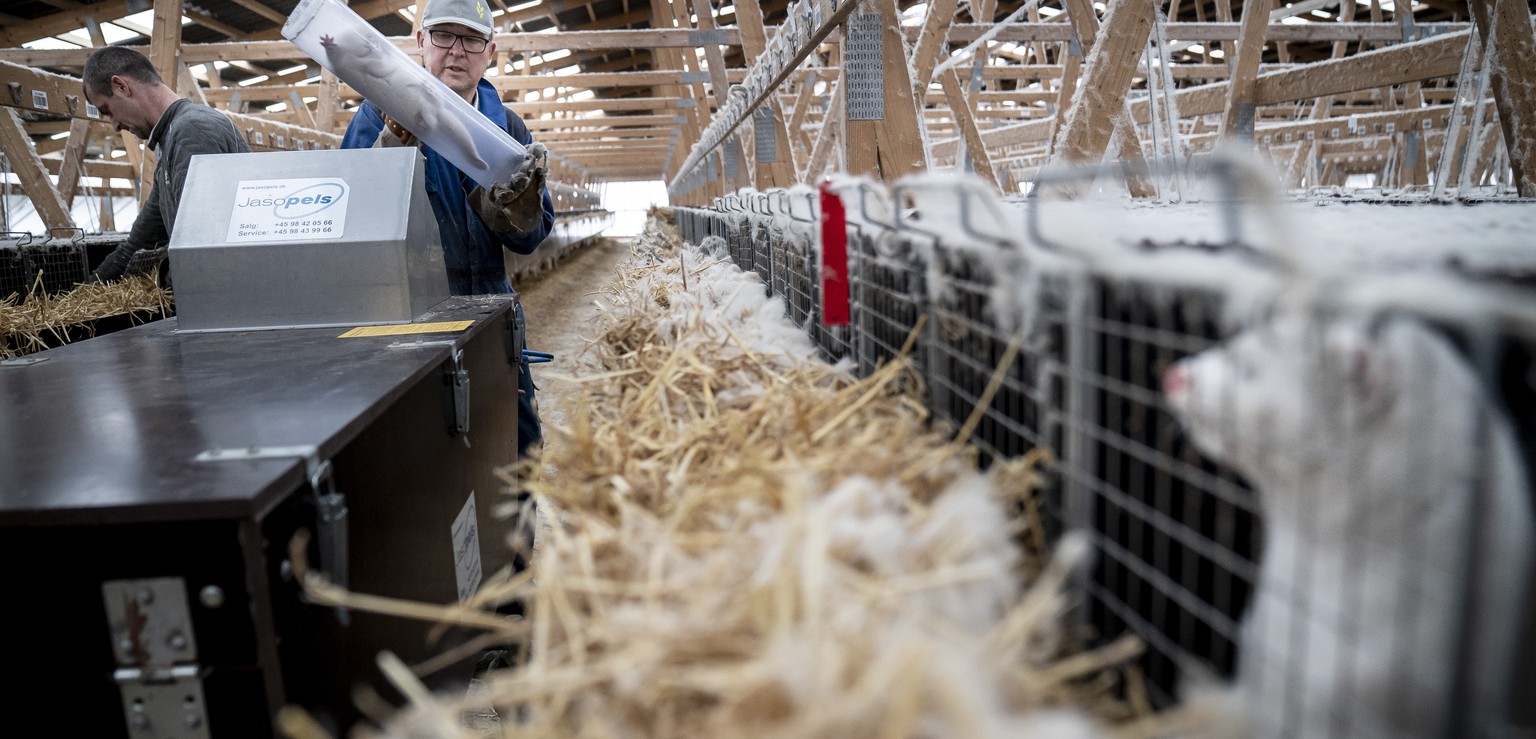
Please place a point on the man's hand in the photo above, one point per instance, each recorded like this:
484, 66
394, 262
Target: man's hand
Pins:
394, 134
517, 205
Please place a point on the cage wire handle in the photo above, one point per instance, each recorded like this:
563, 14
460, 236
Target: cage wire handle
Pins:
966, 193
810, 204
880, 240
781, 198
78, 234
1032, 201
865, 189
1225, 171
18, 234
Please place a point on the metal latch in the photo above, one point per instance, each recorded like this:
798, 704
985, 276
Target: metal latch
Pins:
515, 338
331, 515
331, 524
156, 652
457, 379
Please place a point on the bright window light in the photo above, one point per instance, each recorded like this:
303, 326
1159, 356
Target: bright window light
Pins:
114, 33
50, 43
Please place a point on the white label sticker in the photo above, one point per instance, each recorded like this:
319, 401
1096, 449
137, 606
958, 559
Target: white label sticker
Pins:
91, 110
289, 210
40, 99
466, 549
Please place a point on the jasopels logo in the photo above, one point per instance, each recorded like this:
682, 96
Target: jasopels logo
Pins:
307, 201
289, 209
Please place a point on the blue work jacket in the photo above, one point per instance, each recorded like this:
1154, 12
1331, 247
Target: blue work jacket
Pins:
473, 252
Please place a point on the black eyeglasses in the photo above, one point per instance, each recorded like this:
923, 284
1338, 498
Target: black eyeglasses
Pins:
445, 39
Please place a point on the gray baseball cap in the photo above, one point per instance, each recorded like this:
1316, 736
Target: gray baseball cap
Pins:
472, 13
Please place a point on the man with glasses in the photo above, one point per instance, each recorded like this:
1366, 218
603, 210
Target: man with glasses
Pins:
475, 223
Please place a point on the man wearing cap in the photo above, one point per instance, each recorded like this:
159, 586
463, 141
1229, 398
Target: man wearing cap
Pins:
475, 223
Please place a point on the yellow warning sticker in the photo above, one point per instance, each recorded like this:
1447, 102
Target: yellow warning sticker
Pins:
404, 329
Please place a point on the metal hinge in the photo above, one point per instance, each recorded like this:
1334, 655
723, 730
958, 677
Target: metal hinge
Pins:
156, 651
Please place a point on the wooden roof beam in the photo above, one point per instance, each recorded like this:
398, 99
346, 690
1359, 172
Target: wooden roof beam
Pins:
600, 122
64, 22
1107, 73
1513, 66
28, 168
1420, 60
263, 10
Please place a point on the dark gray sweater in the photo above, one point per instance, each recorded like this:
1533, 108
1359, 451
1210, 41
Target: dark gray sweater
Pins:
184, 131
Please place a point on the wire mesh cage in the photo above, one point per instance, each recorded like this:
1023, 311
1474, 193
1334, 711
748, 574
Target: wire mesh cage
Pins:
889, 296
1324, 507
764, 233
59, 261
147, 261
99, 245
968, 346
15, 276
1175, 531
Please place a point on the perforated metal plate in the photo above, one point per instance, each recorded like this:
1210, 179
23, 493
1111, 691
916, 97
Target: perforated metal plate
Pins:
766, 134
865, 62
732, 159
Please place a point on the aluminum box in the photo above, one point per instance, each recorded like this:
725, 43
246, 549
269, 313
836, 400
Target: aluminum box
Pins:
305, 238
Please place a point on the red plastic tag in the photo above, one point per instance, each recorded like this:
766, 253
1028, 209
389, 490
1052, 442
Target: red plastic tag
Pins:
834, 259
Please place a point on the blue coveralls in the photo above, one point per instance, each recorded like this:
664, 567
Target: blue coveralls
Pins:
473, 253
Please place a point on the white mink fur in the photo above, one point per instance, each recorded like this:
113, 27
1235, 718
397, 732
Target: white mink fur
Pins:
364, 66
1369, 449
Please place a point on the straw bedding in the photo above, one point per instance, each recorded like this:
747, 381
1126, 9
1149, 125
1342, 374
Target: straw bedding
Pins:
750, 542
41, 320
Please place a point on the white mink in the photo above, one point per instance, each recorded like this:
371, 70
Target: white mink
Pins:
362, 64
1369, 449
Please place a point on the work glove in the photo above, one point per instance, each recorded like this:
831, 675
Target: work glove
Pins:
517, 205
394, 134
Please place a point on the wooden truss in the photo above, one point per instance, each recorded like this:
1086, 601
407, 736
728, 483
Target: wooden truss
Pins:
1439, 92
